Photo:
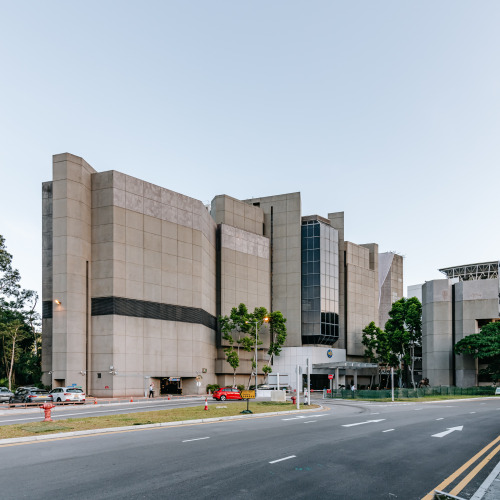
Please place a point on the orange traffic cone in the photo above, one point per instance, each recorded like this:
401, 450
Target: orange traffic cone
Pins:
206, 404
131, 400
95, 401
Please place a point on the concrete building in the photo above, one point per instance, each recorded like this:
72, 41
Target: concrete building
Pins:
453, 308
135, 276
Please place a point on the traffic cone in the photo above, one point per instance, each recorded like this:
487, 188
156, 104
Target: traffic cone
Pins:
131, 400
169, 397
206, 404
95, 401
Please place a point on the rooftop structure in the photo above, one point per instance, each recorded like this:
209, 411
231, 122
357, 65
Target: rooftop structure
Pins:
483, 271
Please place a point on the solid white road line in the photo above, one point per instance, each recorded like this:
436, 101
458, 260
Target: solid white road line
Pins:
361, 423
59, 415
302, 416
281, 459
196, 439
388, 430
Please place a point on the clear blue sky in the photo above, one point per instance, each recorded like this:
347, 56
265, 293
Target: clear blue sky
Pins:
387, 110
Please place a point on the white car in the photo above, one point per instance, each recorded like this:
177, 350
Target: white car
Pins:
68, 395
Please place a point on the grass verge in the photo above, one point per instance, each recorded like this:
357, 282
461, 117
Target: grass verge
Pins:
151, 417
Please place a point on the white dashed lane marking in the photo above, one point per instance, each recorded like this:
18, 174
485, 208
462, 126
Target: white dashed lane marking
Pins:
281, 459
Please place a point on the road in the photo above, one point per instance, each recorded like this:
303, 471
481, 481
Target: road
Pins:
350, 450
24, 415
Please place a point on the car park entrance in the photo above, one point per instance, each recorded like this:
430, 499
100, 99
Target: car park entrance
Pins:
171, 385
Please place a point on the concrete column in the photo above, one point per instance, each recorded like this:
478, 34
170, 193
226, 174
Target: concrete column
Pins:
337, 375
71, 253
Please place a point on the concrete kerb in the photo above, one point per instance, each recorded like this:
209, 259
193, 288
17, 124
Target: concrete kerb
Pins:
61, 435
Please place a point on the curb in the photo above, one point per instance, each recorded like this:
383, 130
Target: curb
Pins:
59, 435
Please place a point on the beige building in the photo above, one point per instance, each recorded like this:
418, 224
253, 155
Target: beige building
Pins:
135, 276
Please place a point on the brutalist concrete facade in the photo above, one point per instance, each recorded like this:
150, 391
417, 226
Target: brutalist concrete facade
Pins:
451, 311
135, 276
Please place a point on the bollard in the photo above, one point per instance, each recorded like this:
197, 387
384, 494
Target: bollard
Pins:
47, 407
206, 404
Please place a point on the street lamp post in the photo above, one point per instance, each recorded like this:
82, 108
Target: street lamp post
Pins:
265, 320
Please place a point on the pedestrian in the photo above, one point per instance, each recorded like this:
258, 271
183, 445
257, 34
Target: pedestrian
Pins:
353, 387
151, 390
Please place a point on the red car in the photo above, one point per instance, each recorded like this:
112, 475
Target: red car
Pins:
227, 393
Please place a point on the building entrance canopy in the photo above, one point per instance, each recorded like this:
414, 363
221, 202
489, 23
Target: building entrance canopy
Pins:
349, 365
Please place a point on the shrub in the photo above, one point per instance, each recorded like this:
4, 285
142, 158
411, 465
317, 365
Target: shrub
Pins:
212, 387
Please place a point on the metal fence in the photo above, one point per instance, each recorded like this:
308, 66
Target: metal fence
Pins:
412, 393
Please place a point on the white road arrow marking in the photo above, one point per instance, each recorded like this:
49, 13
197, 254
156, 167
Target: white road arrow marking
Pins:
449, 431
361, 423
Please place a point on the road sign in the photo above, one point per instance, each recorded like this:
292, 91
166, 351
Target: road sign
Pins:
248, 394
198, 384
328, 391
330, 376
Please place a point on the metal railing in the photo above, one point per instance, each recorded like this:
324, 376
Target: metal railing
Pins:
411, 393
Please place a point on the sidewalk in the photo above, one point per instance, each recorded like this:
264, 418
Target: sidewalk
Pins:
490, 489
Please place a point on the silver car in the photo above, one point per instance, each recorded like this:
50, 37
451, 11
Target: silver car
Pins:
5, 394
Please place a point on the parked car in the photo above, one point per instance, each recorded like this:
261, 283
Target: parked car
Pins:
30, 395
68, 395
5, 394
226, 393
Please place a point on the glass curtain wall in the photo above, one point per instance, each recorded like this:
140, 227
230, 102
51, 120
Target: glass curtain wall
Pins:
320, 283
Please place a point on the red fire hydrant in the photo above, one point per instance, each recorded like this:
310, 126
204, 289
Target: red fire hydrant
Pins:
47, 407
294, 399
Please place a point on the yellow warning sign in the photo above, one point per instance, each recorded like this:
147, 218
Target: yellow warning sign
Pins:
248, 394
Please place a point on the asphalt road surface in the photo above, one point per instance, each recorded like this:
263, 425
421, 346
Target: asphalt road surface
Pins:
351, 450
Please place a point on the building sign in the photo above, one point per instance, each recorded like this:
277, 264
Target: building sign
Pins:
329, 353
174, 379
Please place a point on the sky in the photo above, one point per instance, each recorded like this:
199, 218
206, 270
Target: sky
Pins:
386, 110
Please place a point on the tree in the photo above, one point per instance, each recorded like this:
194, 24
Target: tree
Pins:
12, 332
266, 369
404, 332
19, 326
234, 361
484, 345
377, 346
241, 327
277, 328
397, 342
9, 277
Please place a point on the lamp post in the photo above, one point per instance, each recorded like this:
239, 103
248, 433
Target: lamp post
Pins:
265, 320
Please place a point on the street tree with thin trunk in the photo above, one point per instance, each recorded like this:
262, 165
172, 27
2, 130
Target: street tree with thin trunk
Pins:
404, 332
485, 346
241, 329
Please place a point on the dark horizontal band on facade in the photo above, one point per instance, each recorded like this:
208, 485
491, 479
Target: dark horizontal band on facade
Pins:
102, 306
46, 309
